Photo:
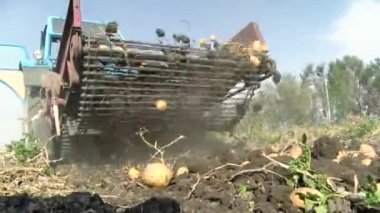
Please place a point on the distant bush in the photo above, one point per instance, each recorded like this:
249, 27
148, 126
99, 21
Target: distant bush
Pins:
25, 148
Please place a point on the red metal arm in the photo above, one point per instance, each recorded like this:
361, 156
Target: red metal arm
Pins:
68, 63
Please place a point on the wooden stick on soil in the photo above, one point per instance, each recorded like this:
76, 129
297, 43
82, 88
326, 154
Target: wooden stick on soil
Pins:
208, 173
356, 184
205, 175
194, 186
258, 170
286, 166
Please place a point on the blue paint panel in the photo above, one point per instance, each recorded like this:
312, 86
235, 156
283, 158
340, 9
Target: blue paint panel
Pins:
50, 37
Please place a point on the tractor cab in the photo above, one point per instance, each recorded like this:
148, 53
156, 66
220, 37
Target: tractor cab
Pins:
51, 37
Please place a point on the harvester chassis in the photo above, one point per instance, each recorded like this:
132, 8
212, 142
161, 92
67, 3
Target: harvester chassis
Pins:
102, 82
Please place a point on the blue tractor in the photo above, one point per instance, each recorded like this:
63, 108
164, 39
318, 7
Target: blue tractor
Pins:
41, 68
89, 80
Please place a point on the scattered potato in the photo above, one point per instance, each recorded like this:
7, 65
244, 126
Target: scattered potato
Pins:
182, 170
295, 152
366, 162
367, 150
341, 155
294, 197
157, 175
161, 105
133, 173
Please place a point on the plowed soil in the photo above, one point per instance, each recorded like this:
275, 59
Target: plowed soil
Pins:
105, 187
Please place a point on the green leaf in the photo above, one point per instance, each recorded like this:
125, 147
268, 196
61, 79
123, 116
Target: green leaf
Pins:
321, 209
309, 182
377, 194
309, 204
243, 188
304, 138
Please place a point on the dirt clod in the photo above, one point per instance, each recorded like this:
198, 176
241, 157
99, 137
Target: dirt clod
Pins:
326, 147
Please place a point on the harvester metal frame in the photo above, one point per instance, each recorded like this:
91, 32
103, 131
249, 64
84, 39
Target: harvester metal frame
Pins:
58, 83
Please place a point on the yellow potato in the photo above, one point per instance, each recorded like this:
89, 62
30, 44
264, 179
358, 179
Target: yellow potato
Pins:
161, 105
366, 162
202, 42
157, 175
213, 37
265, 48
133, 173
257, 46
255, 61
295, 152
182, 170
296, 200
367, 150
341, 155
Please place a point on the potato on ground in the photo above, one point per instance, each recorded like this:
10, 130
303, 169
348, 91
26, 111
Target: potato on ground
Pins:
157, 175
182, 171
133, 173
295, 198
368, 151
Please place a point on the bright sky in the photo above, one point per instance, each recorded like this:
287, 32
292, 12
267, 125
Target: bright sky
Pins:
297, 31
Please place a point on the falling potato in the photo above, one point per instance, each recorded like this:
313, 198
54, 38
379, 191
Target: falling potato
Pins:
182, 171
157, 175
133, 173
296, 200
202, 42
367, 150
213, 37
161, 105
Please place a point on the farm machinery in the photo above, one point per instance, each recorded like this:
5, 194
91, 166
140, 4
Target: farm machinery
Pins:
100, 83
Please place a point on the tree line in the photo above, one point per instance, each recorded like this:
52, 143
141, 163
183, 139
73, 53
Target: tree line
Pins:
321, 93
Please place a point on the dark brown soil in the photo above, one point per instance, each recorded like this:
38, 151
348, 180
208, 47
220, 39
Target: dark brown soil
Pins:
326, 147
251, 192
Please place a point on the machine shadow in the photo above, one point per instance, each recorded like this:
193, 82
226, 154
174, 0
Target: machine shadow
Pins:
83, 202
133, 147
